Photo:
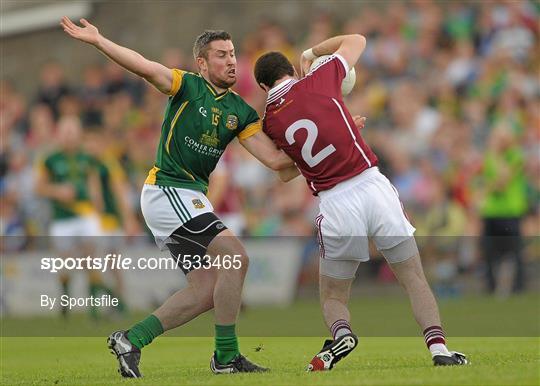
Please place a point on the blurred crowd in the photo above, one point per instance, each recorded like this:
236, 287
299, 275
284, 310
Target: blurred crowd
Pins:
451, 94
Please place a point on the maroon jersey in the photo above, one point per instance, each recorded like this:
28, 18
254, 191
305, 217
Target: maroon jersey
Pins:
308, 119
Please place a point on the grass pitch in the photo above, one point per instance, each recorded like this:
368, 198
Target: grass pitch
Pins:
185, 361
495, 335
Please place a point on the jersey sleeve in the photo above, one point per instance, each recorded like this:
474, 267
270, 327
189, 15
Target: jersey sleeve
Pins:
328, 75
251, 124
177, 81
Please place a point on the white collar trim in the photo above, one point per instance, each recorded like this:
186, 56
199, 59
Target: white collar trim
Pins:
279, 90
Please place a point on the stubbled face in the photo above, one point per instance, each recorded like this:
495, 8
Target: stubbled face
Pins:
220, 65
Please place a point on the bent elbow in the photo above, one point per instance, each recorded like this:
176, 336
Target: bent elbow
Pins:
361, 40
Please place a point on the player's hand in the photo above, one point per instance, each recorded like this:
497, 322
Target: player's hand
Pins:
359, 121
65, 193
88, 33
305, 65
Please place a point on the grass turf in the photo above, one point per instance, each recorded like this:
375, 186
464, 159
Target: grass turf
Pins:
371, 316
184, 361
400, 358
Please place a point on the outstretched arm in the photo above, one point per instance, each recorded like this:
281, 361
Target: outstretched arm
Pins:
289, 173
262, 148
155, 73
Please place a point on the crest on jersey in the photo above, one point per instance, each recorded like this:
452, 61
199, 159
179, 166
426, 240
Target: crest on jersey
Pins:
231, 122
198, 204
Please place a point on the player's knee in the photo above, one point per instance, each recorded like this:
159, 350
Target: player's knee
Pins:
243, 260
234, 264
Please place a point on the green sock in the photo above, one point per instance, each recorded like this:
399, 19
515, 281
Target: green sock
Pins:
226, 343
144, 332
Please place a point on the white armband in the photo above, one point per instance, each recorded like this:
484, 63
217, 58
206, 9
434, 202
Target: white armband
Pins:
308, 54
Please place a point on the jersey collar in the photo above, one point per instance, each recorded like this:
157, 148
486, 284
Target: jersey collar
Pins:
213, 91
280, 90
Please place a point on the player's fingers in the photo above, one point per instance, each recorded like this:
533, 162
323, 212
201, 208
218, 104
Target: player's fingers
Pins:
65, 25
66, 28
70, 33
69, 29
359, 121
304, 65
84, 22
67, 21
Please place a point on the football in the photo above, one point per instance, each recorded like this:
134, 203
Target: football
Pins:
349, 80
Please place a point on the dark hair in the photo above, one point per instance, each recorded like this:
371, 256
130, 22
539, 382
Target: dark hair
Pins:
200, 48
271, 67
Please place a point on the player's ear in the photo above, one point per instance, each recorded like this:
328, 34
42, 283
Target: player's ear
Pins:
201, 64
264, 87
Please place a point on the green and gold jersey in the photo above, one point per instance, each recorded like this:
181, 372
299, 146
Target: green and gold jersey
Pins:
109, 170
74, 169
199, 124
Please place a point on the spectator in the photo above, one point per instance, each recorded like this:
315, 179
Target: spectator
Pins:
504, 191
53, 87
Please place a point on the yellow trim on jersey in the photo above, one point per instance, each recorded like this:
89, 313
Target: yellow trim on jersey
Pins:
210, 88
176, 116
82, 208
177, 76
109, 222
222, 95
188, 173
151, 179
250, 130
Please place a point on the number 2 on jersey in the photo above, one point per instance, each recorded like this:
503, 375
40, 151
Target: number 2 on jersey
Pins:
307, 147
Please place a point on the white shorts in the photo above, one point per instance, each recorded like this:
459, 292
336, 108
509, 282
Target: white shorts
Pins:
366, 205
71, 233
165, 209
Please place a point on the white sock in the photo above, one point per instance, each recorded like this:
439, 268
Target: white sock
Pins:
342, 331
439, 349
339, 328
